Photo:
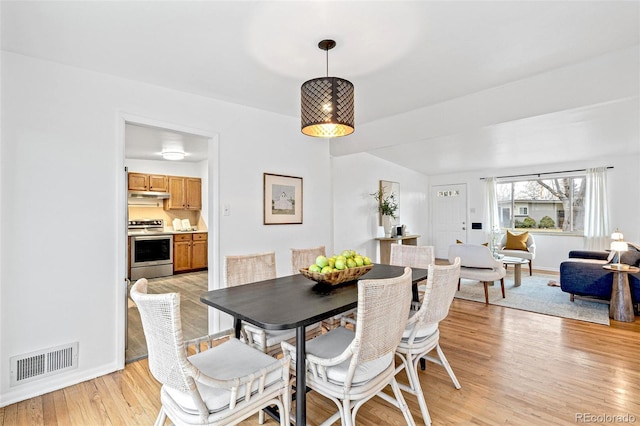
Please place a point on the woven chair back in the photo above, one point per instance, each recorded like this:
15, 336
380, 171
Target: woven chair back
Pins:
442, 283
250, 268
383, 309
412, 256
302, 258
160, 315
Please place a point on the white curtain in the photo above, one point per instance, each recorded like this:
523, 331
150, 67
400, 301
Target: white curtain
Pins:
492, 217
596, 210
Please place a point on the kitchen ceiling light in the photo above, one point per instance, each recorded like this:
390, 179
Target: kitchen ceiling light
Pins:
327, 103
173, 154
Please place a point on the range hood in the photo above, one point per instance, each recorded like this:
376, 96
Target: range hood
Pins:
149, 195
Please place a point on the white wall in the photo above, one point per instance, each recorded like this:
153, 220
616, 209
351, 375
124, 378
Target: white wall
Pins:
62, 153
624, 199
355, 216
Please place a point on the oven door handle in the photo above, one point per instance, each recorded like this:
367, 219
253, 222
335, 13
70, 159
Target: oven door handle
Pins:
152, 237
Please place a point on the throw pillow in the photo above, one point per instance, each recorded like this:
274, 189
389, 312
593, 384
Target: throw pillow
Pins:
517, 241
460, 242
631, 257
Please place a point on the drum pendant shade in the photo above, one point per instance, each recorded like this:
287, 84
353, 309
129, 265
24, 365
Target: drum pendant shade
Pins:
327, 104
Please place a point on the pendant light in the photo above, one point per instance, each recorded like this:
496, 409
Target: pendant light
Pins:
327, 103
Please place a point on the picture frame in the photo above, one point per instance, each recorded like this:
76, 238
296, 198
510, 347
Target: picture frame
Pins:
389, 187
282, 199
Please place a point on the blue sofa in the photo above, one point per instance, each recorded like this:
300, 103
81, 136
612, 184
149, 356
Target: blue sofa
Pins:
582, 274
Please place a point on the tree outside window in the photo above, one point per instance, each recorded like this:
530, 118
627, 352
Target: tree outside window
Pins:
555, 205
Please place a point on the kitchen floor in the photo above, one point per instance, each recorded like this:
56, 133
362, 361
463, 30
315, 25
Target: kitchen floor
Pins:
194, 313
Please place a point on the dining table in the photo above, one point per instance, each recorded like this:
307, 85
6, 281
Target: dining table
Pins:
294, 301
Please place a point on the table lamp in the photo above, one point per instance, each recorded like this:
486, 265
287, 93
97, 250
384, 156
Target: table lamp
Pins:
617, 236
619, 246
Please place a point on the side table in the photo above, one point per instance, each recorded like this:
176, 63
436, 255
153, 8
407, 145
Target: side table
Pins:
517, 262
621, 305
385, 245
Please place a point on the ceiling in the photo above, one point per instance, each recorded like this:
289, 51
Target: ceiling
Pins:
409, 61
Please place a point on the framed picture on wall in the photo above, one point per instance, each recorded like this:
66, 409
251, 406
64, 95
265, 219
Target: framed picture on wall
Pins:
282, 199
390, 188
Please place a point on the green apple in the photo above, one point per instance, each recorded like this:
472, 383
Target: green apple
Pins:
366, 260
332, 262
359, 260
351, 263
326, 269
340, 264
322, 261
314, 268
346, 253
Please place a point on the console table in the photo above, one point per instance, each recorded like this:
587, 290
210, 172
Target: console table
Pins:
385, 245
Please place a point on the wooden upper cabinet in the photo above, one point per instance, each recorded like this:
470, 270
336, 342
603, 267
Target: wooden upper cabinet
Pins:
138, 182
146, 182
158, 183
178, 194
194, 193
186, 193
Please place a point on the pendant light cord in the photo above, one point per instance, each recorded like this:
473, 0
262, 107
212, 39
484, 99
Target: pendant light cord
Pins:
327, 51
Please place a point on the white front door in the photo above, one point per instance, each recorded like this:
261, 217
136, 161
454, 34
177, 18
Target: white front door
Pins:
449, 208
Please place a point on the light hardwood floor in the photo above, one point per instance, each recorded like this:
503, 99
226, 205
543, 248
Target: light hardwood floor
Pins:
515, 367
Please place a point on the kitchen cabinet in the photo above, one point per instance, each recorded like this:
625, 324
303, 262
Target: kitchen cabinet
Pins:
189, 252
146, 182
186, 193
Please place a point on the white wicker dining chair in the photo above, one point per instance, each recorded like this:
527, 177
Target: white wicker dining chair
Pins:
413, 257
351, 367
222, 385
244, 269
302, 258
422, 335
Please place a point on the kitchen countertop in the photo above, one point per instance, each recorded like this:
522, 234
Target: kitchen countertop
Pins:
167, 231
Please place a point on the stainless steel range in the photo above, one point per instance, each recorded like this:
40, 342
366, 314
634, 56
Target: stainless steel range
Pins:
151, 250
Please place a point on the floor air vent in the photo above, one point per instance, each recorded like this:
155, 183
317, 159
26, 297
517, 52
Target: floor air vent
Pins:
39, 364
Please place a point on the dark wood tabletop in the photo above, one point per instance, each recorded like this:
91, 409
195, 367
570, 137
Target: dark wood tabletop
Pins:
293, 301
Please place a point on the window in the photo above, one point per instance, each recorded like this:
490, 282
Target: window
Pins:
555, 205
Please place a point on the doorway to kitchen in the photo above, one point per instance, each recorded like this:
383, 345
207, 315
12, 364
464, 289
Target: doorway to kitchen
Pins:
170, 218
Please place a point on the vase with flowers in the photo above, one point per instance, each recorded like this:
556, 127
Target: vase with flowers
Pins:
387, 206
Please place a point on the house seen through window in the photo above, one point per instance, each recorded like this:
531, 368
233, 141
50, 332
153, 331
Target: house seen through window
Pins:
550, 205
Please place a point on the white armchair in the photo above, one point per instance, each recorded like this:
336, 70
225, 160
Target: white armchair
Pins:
508, 250
477, 263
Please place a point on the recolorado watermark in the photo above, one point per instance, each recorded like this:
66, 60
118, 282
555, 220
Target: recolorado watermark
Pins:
605, 418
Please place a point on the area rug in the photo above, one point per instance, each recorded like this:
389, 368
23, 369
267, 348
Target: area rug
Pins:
535, 295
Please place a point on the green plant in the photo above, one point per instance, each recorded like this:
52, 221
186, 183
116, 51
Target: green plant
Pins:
387, 205
527, 222
546, 222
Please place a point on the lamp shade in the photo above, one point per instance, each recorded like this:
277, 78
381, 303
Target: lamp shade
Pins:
617, 236
327, 107
619, 246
